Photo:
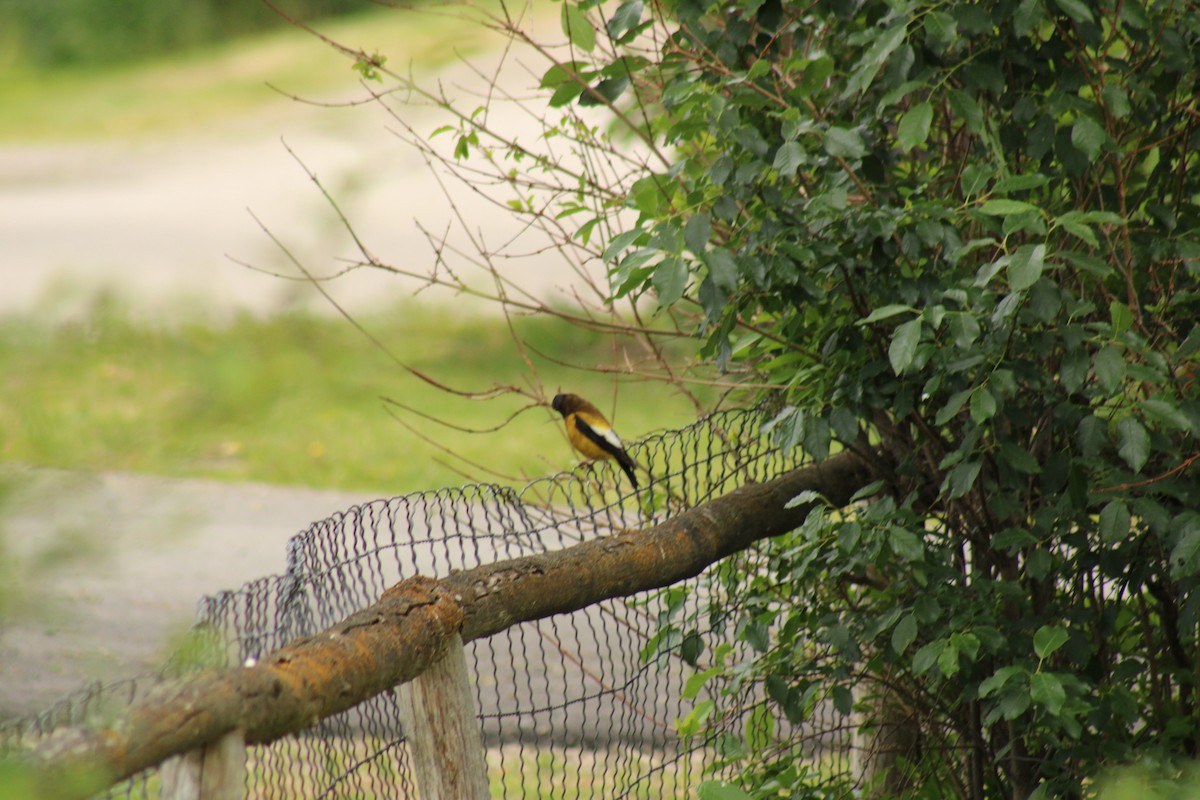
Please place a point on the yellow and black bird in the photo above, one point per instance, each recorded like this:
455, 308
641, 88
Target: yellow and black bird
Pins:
590, 433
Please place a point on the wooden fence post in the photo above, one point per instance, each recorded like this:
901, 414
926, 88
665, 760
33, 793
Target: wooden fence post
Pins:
442, 729
216, 772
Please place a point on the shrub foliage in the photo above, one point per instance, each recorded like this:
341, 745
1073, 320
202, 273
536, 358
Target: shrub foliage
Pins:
967, 233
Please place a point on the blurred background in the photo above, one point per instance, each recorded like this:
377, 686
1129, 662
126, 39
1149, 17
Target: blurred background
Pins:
51, 34
176, 401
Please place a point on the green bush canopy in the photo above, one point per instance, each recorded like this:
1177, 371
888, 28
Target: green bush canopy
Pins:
966, 234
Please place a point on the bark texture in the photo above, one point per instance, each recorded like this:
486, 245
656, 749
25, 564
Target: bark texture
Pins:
395, 639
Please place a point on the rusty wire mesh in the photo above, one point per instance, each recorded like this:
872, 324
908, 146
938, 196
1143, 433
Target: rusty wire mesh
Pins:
570, 706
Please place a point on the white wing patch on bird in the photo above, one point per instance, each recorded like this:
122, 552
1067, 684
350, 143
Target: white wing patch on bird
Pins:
605, 440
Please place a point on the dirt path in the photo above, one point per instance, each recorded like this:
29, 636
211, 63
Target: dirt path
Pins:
160, 218
112, 567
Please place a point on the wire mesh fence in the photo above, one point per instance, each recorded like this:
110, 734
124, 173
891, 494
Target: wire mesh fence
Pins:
579, 705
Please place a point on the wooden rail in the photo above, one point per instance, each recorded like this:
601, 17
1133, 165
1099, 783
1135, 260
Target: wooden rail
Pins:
422, 622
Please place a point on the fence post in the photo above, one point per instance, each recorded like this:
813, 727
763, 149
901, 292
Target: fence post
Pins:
442, 727
216, 772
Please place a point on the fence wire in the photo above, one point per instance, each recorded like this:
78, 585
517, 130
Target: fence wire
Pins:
569, 707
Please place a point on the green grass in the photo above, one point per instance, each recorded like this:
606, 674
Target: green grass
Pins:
212, 84
296, 399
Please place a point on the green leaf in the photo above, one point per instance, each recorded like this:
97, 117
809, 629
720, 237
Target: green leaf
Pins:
1102, 217
844, 143
1026, 266
777, 689
1046, 689
1014, 703
789, 158
843, 700
691, 648
757, 70
906, 544
941, 29
693, 685
998, 679
1114, 522
670, 280
1120, 316
620, 242
953, 406
870, 490
974, 179
696, 233
568, 72
884, 312
759, 730
845, 424
786, 428
722, 268
627, 15
751, 139
1089, 136
904, 633
948, 660
868, 66
904, 345
1190, 345
577, 27
1117, 101
928, 655
696, 718
1090, 436
1019, 459
816, 73
965, 329
1011, 539
1070, 223
1076, 10
1004, 207
1048, 639
913, 129
1167, 414
1072, 372
608, 90
967, 108
1185, 556
983, 405
805, 497
1133, 443
962, 478
1020, 183
1028, 14
816, 438
1109, 366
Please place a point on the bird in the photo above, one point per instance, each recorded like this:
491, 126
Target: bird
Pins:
590, 434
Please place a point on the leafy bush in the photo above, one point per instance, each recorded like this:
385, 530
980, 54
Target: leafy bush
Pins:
966, 234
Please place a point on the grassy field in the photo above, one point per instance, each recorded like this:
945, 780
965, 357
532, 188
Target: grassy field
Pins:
208, 85
296, 399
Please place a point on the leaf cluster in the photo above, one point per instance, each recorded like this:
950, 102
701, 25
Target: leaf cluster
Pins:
967, 233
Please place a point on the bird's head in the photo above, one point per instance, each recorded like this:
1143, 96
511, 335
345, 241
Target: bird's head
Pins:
564, 403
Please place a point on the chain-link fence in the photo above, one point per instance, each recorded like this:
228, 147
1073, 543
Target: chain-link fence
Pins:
580, 705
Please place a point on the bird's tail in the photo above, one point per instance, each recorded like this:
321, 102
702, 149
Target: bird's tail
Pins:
629, 466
